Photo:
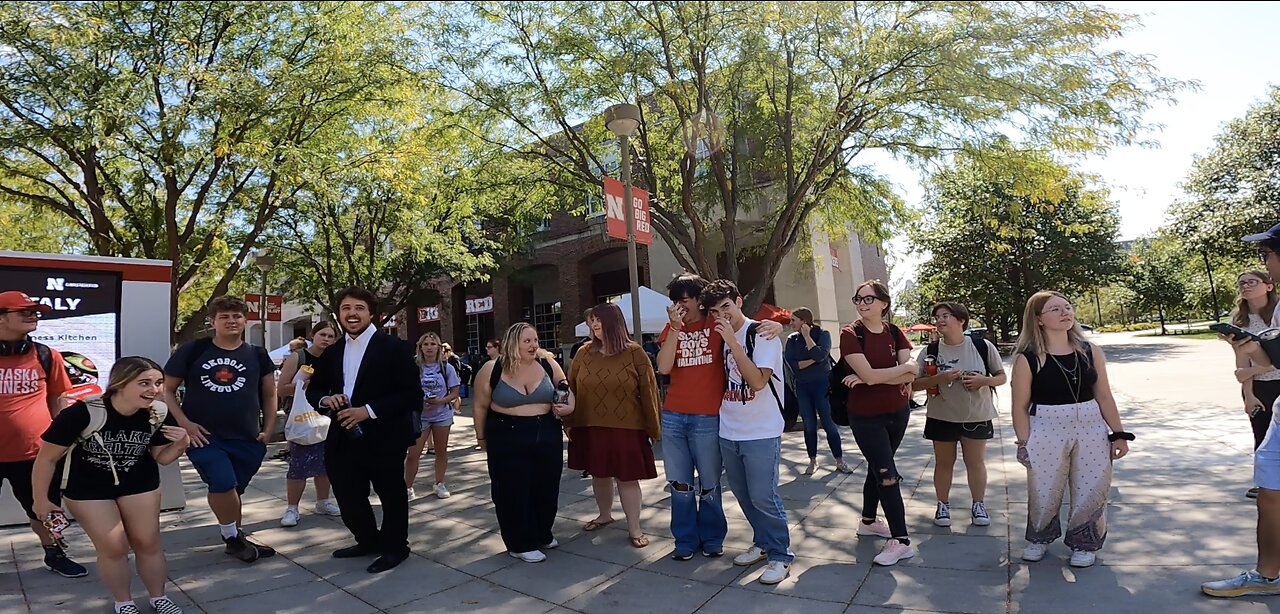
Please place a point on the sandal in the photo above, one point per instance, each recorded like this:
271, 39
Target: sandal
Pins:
639, 542
596, 524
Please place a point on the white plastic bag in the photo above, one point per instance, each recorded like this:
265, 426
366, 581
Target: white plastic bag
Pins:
304, 425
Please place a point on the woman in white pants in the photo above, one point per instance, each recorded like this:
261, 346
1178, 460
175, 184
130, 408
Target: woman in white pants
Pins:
1068, 429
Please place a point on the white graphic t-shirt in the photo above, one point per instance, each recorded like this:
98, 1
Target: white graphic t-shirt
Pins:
746, 414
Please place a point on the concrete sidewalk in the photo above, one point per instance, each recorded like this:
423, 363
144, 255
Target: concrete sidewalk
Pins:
1178, 517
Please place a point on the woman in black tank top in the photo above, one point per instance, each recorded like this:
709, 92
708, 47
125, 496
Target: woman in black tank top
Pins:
1068, 429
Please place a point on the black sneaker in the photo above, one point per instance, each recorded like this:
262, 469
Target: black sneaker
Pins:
56, 560
240, 548
263, 551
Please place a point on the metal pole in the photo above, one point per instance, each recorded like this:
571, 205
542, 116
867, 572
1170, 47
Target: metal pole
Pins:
633, 266
262, 308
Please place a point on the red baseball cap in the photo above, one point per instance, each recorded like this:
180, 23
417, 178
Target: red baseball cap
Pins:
14, 300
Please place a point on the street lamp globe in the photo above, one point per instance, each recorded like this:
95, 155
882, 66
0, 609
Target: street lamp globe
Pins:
264, 261
622, 119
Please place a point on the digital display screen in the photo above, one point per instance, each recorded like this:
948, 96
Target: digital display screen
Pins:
83, 323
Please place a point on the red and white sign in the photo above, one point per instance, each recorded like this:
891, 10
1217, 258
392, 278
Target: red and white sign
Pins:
275, 303
429, 314
616, 216
483, 304
835, 258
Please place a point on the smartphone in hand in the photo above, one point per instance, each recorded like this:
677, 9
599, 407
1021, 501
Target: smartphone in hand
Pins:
1233, 331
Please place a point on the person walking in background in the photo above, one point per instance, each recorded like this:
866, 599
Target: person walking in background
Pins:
26, 411
492, 349
369, 384
751, 427
517, 420
808, 354
305, 461
615, 418
440, 386
961, 407
113, 477
1062, 412
1259, 383
228, 385
880, 357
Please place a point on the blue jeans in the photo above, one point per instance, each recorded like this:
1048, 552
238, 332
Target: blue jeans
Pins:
752, 469
812, 397
689, 442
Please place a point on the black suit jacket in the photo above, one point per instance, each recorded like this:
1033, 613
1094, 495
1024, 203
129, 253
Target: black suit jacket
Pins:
387, 381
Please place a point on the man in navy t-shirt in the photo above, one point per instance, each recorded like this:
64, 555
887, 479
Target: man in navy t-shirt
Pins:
228, 385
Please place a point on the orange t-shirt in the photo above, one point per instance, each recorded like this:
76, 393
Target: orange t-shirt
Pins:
697, 380
24, 402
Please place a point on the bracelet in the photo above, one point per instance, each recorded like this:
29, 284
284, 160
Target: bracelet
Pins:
1118, 435
1020, 443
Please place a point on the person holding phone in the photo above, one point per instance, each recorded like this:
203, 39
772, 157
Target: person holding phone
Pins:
1255, 312
441, 385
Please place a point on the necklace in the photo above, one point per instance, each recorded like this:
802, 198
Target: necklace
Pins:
1071, 376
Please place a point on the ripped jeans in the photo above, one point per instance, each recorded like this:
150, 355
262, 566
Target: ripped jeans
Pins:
692, 442
878, 438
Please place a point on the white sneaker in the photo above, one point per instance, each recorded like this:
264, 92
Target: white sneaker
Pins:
775, 572
290, 518
1083, 558
328, 508
942, 516
893, 552
412, 494
875, 529
551, 545
532, 556
1033, 552
750, 557
442, 491
979, 513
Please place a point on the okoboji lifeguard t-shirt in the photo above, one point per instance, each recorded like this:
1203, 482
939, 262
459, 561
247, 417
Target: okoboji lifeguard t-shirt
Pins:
223, 387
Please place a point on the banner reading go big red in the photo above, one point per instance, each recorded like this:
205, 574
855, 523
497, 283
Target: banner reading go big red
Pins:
616, 222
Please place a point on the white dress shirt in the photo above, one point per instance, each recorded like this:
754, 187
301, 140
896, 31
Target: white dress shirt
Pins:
352, 356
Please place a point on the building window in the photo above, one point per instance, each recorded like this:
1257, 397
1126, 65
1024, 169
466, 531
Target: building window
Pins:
594, 206
543, 225
546, 319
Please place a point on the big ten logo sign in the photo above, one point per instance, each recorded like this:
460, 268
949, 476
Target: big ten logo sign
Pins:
483, 304
275, 305
429, 314
616, 216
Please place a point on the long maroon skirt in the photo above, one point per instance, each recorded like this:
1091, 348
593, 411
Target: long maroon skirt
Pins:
606, 452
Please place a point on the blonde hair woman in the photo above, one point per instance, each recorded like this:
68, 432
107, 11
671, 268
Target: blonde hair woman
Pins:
113, 480
517, 421
440, 388
1067, 426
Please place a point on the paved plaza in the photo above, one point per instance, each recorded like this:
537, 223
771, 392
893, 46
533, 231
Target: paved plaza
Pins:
1178, 516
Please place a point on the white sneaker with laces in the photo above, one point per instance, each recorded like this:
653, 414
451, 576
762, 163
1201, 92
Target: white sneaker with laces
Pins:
1083, 558
412, 494
750, 557
290, 518
1033, 552
775, 572
442, 491
532, 556
328, 508
893, 552
875, 529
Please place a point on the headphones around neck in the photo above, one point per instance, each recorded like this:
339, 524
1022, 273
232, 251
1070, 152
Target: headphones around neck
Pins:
15, 348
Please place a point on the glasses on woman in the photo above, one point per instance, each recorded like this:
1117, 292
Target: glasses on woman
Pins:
1058, 310
1247, 284
864, 299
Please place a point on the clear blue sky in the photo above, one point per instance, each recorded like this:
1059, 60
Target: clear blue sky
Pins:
1231, 48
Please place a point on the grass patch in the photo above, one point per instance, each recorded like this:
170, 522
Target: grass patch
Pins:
1196, 335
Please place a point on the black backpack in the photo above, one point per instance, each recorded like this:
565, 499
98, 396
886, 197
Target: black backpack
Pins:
45, 356
979, 344
496, 375
750, 347
837, 392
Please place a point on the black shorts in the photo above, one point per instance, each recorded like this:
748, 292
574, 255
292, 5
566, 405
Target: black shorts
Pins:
18, 475
941, 430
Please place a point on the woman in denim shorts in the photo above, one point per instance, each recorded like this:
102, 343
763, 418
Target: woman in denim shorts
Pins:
440, 387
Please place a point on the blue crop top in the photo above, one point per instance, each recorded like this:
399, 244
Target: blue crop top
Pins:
506, 395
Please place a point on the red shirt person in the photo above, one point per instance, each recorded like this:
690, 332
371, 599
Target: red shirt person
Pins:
33, 383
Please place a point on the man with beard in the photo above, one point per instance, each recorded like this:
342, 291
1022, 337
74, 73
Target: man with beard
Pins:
228, 385
368, 384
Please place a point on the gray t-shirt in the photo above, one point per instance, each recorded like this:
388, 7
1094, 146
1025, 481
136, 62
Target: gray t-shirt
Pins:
955, 404
223, 388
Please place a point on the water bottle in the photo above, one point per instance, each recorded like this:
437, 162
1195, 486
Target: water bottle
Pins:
354, 432
562, 393
930, 370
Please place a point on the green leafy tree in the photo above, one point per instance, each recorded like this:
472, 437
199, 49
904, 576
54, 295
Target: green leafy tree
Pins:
1154, 276
992, 241
1234, 190
755, 114
179, 130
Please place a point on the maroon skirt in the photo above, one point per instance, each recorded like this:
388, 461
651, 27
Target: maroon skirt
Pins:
606, 452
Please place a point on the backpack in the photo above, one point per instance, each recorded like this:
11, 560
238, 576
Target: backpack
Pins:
837, 392
750, 347
496, 375
98, 419
979, 344
45, 356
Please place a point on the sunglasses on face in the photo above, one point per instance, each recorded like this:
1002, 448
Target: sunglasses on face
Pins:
26, 313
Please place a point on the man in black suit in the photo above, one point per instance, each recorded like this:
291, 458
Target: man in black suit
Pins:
368, 384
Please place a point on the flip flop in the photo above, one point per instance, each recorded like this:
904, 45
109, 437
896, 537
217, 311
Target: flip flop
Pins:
639, 542
595, 525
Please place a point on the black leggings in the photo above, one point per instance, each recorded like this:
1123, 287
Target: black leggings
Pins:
1267, 391
878, 438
